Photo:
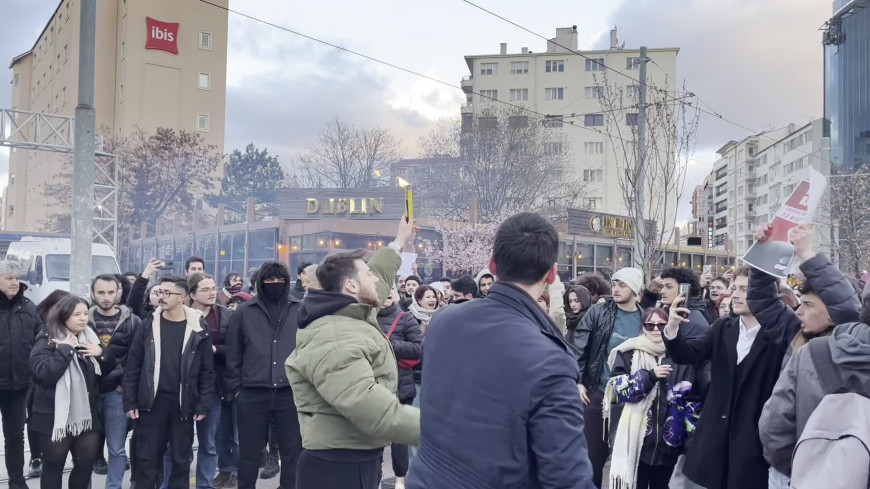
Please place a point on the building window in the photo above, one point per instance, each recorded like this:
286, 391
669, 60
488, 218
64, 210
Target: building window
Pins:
594, 203
121, 93
555, 93
204, 82
63, 94
518, 122
554, 148
632, 64
519, 67
594, 92
489, 68
11, 179
204, 40
202, 122
557, 66
11, 210
595, 64
631, 119
519, 95
553, 121
16, 80
593, 148
65, 52
593, 175
593, 120
58, 62
488, 95
488, 122
123, 50
632, 92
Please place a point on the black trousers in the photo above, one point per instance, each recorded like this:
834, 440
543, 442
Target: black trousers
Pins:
162, 424
13, 412
84, 449
399, 453
256, 405
594, 430
316, 472
654, 476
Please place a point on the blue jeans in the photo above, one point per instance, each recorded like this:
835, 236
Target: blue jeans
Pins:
777, 480
115, 426
227, 439
412, 450
206, 454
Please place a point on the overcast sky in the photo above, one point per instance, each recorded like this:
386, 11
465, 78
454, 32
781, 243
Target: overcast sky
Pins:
756, 62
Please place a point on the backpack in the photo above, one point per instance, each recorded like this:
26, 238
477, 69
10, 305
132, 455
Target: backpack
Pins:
833, 451
403, 362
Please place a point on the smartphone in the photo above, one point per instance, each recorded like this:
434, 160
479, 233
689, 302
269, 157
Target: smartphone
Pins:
708, 269
167, 265
685, 291
409, 202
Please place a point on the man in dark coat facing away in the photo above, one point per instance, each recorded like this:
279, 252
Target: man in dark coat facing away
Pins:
501, 407
746, 352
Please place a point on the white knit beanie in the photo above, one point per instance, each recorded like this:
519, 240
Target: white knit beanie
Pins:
632, 277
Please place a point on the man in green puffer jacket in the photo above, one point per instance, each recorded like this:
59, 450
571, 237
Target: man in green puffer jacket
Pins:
343, 373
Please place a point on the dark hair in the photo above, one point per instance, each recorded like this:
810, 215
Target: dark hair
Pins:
302, 266
130, 274
193, 259
446, 279
106, 277
337, 268
596, 284
526, 247
805, 288
485, 275
722, 279
194, 280
414, 278
126, 287
49, 302
684, 276
546, 296
464, 285
648, 314
229, 277
148, 306
421, 291
179, 282
743, 272
60, 313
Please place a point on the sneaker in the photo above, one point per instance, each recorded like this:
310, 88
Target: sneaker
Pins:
232, 483
221, 479
272, 468
35, 469
101, 467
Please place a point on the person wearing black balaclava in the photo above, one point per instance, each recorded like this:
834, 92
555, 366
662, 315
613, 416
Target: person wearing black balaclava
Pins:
261, 335
232, 285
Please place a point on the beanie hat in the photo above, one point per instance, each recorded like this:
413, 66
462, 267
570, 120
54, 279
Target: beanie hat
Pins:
414, 278
437, 286
632, 277
10, 267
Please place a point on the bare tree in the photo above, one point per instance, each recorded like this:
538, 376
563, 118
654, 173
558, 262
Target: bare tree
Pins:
503, 160
347, 156
848, 212
671, 127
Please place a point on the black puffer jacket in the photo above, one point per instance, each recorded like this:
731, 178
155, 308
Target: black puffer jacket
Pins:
19, 326
593, 334
257, 343
49, 362
197, 366
220, 354
128, 323
659, 446
407, 340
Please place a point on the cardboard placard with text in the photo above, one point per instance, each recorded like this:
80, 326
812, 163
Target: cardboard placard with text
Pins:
776, 254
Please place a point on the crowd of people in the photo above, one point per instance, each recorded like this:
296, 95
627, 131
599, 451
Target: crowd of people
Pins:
629, 381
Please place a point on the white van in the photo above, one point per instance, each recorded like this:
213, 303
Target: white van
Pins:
45, 264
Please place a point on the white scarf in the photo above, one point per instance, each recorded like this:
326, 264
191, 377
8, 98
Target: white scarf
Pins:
72, 406
633, 422
422, 315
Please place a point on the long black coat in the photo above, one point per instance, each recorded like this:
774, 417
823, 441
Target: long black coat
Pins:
726, 451
407, 341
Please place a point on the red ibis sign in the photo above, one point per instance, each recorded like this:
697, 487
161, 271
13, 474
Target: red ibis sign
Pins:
161, 35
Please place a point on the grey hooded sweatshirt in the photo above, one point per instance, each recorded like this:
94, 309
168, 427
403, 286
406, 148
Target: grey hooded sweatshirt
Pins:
799, 391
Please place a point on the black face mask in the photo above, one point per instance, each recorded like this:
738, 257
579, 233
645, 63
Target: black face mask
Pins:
235, 289
273, 292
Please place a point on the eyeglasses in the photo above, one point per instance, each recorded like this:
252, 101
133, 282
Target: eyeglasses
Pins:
165, 293
654, 326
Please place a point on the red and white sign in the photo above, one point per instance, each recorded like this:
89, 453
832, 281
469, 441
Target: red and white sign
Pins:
161, 35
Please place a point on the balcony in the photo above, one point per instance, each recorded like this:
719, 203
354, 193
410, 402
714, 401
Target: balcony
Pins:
467, 108
467, 83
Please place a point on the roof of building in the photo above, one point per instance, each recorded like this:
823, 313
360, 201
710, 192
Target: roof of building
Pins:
18, 58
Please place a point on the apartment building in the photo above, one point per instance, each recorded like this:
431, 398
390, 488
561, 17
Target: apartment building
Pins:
568, 87
159, 63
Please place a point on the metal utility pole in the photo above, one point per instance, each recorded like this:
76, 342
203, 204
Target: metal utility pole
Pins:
639, 221
84, 151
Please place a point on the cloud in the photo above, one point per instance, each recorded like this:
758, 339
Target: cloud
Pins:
756, 63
